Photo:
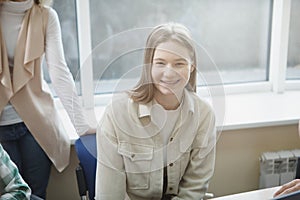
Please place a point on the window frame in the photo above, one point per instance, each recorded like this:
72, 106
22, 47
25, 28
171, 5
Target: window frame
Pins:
276, 82
85, 50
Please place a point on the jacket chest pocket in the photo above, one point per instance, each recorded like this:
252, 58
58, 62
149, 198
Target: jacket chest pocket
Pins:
137, 161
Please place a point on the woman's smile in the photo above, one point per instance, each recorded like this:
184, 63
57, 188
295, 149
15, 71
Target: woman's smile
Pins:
170, 82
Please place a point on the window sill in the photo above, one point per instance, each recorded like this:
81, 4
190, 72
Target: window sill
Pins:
242, 111
265, 109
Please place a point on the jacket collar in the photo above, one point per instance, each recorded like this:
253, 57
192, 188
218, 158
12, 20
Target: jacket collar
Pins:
30, 46
144, 110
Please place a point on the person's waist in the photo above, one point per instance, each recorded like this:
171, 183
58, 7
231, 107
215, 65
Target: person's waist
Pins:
9, 116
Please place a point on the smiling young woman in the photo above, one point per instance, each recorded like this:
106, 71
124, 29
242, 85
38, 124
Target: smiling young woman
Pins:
157, 141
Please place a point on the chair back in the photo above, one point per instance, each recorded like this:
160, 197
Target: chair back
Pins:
86, 150
298, 169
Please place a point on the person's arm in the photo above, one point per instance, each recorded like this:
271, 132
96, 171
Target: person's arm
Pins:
110, 175
194, 182
287, 188
14, 187
61, 76
291, 186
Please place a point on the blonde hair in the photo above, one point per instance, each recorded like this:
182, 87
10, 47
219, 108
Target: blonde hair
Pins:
144, 90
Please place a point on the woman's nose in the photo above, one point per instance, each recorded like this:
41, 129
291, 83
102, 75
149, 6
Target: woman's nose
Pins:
169, 70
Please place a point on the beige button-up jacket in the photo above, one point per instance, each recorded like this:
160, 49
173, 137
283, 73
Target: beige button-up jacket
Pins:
26, 91
130, 151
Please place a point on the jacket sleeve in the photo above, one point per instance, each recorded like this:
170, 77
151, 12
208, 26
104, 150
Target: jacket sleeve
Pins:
199, 171
60, 74
12, 185
110, 175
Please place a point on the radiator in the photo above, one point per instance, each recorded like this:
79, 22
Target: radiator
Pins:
278, 168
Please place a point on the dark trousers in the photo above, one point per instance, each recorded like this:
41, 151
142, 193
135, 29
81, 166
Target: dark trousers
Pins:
26, 153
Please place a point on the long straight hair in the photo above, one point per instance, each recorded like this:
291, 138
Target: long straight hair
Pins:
143, 92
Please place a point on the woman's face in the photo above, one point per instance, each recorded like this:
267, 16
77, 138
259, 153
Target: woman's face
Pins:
171, 68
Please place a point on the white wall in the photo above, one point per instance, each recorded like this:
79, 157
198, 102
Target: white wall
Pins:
238, 152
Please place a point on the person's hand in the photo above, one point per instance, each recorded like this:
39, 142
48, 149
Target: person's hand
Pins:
287, 188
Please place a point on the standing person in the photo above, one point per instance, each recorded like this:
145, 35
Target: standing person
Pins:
158, 140
30, 128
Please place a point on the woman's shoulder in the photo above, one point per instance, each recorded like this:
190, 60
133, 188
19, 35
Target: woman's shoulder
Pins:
119, 101
121, 108
52, 14
47, 10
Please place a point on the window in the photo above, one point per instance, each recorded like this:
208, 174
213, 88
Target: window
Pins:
293, 64
236, 40
232, 34
233, 39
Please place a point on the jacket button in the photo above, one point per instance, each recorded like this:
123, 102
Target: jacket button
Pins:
171, 164
171, 139
170, 188
132, 155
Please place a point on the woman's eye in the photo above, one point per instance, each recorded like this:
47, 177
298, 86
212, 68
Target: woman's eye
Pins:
160, 64
180, 64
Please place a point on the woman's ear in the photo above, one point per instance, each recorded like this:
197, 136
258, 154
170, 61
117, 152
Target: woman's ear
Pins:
192, 67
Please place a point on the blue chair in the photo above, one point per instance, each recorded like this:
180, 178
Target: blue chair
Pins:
86, 150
